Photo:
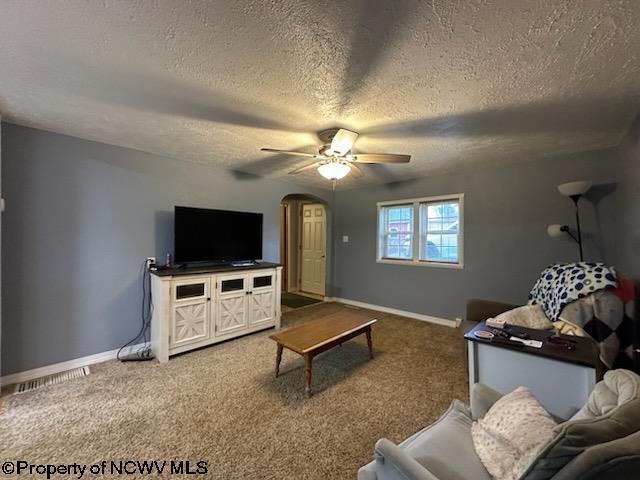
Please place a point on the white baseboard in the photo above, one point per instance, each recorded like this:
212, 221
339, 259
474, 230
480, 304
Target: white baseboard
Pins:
62, 366
403, 313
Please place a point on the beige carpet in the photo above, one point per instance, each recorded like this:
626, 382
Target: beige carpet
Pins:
223, 405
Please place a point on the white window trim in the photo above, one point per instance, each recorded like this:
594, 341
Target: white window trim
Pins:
459, 197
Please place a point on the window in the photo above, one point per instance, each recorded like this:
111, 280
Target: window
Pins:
439, 236
397, 241
422, 231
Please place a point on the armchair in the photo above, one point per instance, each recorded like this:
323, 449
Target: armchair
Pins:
601, 442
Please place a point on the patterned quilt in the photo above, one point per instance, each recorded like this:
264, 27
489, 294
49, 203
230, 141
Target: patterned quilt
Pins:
587, 299
607, 317
564, 283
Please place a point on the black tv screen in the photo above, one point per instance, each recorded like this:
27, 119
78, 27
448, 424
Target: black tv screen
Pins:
203, 235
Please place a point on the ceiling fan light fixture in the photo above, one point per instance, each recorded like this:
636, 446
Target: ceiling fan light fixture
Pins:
335, 159
334, 170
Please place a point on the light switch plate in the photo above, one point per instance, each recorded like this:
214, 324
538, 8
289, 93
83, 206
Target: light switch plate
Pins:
345, 239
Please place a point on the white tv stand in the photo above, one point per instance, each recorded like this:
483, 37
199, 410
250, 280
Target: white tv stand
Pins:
198, 306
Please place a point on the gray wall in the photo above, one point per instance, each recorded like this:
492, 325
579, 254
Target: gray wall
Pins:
81, 218
507, 210
629, 242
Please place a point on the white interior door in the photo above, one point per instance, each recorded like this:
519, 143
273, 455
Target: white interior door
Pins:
312, 267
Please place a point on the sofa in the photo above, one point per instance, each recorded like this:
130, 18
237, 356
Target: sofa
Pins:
602, 441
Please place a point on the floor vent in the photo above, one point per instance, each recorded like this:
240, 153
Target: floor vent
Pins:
52, 379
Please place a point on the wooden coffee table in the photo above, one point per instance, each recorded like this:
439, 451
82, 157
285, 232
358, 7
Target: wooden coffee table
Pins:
321, 334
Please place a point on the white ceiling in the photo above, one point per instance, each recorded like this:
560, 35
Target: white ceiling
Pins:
452, 83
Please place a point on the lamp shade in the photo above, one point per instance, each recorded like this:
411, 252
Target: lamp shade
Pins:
556, 230
574, 188
334, 170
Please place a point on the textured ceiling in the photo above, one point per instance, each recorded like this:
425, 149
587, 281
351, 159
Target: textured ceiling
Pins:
452, 83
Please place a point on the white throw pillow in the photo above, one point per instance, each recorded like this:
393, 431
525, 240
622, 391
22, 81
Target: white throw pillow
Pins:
530, 316
512, 433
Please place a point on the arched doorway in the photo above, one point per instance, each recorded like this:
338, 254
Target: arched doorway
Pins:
303, 245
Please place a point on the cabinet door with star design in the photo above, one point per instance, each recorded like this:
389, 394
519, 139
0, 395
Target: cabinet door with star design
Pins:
190, 316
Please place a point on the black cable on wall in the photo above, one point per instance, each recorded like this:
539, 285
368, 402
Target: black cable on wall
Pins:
144, 352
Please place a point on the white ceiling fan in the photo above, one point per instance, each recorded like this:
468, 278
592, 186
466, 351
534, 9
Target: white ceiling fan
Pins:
335, 160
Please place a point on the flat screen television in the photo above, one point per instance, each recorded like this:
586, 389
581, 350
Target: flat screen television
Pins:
204, 235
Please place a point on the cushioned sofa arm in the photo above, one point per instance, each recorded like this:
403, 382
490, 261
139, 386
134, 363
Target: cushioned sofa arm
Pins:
394, 464
480, 310
482, 399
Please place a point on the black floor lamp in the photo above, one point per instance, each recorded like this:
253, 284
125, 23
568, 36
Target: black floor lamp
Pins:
573, 190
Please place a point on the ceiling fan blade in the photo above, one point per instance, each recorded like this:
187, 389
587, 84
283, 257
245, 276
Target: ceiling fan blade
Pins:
380, 158
343, 141
356, 170
308, 166
289, 152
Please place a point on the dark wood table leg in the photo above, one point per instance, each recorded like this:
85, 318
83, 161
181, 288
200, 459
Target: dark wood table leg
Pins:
308, 362
369, 342
278, 359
